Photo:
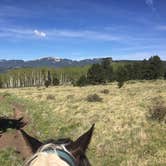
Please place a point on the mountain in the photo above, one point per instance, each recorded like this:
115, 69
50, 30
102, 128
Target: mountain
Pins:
44, 62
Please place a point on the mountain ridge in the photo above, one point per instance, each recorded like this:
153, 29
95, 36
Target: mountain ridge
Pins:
45, 62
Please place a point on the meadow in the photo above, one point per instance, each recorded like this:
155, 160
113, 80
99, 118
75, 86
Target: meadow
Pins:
123, 136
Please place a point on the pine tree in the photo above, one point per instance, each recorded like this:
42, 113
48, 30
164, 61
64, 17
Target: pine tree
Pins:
121, 76
107, 69
165, 75
156, 67
95, 74
82, 81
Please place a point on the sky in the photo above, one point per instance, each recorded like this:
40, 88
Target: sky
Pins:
81, 29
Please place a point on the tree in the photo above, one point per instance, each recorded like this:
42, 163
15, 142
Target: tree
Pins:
82, 81
107, 69
121, 76
156, 67
146, 72
137, 71
95, 74
165, 75
46, 83
152, 68
1, 82
49, 76
55, 81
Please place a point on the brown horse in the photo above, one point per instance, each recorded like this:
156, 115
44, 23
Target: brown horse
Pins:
62, 152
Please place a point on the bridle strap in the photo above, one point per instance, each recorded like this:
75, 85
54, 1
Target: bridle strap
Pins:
63, 153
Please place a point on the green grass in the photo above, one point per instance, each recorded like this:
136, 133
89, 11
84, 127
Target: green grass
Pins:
9, 158
123, 135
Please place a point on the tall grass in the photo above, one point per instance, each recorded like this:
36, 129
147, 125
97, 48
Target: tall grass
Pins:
123, 135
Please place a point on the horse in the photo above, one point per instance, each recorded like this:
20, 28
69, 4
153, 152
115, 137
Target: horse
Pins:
61, 152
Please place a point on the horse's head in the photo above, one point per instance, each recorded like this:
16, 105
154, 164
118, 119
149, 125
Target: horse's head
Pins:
63, 152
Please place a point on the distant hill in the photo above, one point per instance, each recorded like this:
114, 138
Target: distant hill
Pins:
44, 62
57, 63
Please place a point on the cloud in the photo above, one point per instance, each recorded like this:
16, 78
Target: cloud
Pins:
53, 34
39, 33
15, 33
143, 55
83, 34
161, 27
150, 3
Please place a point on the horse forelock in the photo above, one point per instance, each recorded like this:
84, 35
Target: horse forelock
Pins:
41, 158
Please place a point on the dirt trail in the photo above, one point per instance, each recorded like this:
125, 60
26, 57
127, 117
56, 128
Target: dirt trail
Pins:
15, 139
2, 98
19, 111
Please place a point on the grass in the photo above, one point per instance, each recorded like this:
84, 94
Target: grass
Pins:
9, 158
123, 135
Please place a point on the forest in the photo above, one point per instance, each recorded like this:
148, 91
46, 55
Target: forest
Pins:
100, 73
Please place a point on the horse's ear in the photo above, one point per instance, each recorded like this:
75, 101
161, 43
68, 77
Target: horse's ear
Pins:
80, 146
32, 142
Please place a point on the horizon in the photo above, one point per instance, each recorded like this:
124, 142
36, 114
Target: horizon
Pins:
77, 30
25, 60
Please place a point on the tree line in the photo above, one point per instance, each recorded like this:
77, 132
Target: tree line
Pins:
150, 69
100, 73
29, 77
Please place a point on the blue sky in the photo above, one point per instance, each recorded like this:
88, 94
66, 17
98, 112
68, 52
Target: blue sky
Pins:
80, 29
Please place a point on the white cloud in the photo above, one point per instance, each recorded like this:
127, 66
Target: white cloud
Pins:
83, 34
15, 33
39, 33
23, 33
161, 27
150, 3
142, 55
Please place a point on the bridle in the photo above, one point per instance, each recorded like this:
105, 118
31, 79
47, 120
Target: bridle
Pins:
62, 152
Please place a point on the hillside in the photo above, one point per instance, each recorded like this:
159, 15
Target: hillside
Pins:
124, 136
44, 62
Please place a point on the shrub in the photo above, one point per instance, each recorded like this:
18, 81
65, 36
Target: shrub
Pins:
82, 81
158, 110
120, 84
94, 98
50, 97
165, 75
47, 83
55, 81
105, 91
39, 96
70, 97
121, 76
6, 94
95, 75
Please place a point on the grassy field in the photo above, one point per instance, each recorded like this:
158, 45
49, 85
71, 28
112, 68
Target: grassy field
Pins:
123, 136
